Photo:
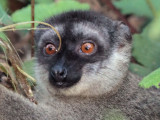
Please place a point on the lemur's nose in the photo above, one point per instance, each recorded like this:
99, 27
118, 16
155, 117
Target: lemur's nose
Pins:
59, 73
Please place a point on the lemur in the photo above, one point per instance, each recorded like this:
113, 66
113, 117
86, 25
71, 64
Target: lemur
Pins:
88, 78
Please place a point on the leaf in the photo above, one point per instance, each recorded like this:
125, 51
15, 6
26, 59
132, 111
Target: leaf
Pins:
43, 1
146, 51
3, 36
3, 3
4, 17
44, 11
154, 31
25, 74
152, 79
140, 70
137, 7
28, 67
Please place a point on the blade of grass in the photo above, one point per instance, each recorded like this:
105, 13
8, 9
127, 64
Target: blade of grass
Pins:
25, 74
26, 29
150, 5
15, 60
29, 22
7, 70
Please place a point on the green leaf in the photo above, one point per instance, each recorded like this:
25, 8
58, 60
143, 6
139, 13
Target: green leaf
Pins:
43, 1
44, 11
154, 31
3, 36
152, 79
146, 51
28, 67
3, 3
140, 70
4, 17
138, 7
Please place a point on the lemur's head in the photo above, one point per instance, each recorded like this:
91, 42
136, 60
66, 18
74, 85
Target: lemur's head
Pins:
93, 59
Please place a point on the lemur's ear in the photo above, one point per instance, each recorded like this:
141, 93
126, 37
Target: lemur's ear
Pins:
123, 31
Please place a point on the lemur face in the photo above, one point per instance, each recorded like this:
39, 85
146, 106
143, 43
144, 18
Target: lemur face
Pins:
91, 46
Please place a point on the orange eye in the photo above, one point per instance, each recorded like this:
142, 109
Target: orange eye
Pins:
87, 48
50, 49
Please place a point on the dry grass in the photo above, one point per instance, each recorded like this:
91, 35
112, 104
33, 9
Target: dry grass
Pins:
17, 76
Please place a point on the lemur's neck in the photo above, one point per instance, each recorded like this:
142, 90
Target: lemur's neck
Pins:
43, 95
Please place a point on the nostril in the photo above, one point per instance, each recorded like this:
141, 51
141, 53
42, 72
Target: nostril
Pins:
63, 73
59, 73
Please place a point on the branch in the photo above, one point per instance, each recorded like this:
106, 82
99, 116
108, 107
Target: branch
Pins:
32, 31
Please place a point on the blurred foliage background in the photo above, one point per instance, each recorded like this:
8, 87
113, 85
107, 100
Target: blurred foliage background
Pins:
142, 16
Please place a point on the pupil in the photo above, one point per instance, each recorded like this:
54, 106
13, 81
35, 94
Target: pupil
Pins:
50, 48
87, 48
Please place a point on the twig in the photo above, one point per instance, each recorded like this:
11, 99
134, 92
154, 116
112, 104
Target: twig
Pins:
32, 31
112, 7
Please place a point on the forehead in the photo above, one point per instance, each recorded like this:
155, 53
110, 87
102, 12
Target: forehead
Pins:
90, 31
78, 31
51, 34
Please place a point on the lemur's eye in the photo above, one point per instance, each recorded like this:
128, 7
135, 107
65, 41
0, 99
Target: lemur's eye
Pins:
87, 48
50, 49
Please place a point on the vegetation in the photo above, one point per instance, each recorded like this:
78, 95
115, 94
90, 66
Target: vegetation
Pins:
146, 45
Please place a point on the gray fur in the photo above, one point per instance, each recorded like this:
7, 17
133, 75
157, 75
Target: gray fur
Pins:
135, 103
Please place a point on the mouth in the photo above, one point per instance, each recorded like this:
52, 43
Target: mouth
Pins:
62, 84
